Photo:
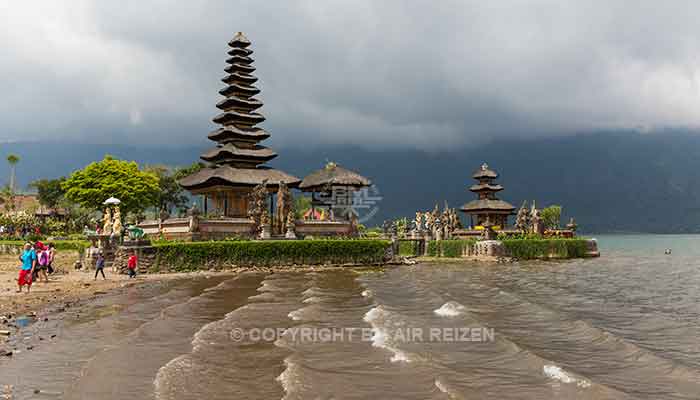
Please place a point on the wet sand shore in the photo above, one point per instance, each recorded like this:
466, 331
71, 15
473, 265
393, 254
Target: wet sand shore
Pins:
27, 319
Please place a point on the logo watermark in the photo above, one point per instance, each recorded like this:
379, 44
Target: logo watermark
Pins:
305, 334
361, 204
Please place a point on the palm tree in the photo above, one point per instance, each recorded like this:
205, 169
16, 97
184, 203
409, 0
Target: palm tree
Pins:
7, 198
12, 159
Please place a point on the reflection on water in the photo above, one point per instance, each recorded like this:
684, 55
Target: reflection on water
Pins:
624, 326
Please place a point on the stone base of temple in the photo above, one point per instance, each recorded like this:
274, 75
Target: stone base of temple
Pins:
196, 229
325, 229
477, 233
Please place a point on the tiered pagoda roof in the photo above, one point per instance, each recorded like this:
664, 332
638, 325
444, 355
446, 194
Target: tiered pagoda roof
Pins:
238, 157
486, 190
333, 175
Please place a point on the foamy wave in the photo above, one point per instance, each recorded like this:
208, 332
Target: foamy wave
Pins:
267, 287
169, 374
450, 309
399, 356
296, 315
374, 314
381, 337
312, 299
558, 374
312, 291
441, 387
289, 378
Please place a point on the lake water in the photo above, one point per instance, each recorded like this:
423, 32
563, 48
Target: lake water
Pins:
623, 326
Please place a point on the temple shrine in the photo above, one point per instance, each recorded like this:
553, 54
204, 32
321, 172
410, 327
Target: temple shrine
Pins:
241, 196
236, 163
487, 207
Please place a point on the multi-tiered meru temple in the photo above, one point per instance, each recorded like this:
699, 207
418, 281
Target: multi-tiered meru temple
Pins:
487, 206
238, 158
241, 196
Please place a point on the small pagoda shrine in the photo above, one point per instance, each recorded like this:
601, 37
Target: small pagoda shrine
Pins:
487, 207
332, 188
236, 163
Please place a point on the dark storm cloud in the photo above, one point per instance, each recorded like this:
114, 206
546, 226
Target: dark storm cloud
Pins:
376, 73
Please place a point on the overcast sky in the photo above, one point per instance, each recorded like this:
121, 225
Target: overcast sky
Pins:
374, 73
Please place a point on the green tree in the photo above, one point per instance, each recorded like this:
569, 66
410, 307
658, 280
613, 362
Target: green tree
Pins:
551, 216
13, 160
51, 191
111, 177
302, 204
7, 198
171, 193
182, 172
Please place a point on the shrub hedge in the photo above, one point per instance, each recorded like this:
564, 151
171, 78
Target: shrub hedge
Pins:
409, 248
190, 256
451, 248
76, 245
527, 249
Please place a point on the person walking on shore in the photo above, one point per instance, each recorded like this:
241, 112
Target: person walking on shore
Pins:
131, 265
26, 271
100, 266
52, 256
42, 262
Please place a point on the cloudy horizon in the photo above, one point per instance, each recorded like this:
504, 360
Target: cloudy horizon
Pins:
411, 74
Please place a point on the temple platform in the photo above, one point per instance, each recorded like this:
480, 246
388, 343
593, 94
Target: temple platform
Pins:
196, 229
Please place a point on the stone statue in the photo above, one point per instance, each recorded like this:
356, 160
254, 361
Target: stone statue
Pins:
406, 228
488, 232
418, 222
265, 225
257, 205
290, 232
117, 224
535, 221
457, 224
522, 220
393, 230
107, 222
429, 221
437, 228
386, 228
284, 204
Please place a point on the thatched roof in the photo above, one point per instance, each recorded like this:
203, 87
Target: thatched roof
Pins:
230, 151
239, 77
231, 176
237, 157
234, 116
239, 102
239, 51
485, 187
488, 205
239, 40
232, 132
232, 89
485, 172
333, 175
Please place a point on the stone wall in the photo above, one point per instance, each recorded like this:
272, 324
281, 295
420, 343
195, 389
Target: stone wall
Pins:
146, 256
6, 248
197, 229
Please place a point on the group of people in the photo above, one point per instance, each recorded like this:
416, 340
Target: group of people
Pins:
37, 262
131, 264
11, 231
